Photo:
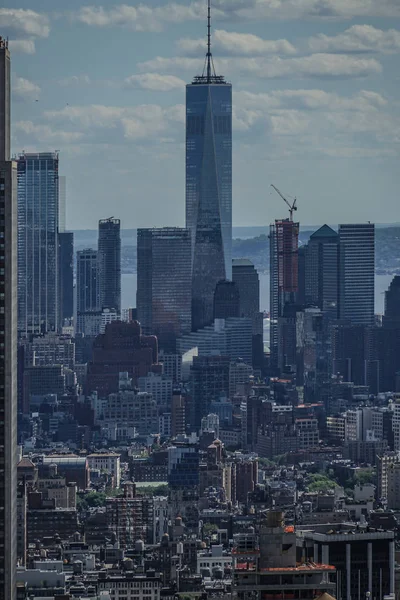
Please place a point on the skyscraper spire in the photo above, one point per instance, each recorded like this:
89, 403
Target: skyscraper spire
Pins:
209, 55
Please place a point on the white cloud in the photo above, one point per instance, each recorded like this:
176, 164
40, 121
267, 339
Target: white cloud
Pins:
28, 22
23, 89
46, 134
308, 100
22, 46
137, 122
140, 17
153, 18
307, 9
316, 65
320, 120
358, 38
236, 44
75, 80
154, 82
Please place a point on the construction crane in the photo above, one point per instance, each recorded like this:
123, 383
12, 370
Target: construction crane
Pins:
292, 207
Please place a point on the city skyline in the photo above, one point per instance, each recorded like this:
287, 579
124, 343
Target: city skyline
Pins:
311, 88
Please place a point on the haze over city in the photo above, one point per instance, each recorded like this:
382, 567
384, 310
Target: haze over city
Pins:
315, 104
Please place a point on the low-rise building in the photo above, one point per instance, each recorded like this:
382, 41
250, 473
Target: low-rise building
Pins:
130, 586
214, 558
107, 462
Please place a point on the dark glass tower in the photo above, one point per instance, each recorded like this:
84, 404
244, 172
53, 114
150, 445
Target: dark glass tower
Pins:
321, 271
66, 275
226, 300
8, 340
164, 283
109, 264
87, 301
392, 304
357, 273
208, 185
38, 266
284, 238
245, 275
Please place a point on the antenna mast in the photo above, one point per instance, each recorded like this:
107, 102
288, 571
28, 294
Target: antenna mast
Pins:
209, 42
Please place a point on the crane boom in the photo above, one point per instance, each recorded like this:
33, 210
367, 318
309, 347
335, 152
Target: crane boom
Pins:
292, 207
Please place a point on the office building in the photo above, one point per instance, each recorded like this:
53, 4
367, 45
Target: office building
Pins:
245, 275
357, 273
164, 283
208, 186
364, 558
284, 236
226, 300
209, 380
178, 414
321, 271
109, 264
38, 245
62, 200
122, 348
264, 565
160, 388
392, 304
384, 462
66, 276
227, 337
50, 349
87, 300
8, 340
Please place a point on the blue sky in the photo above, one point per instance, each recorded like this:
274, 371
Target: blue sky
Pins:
316, 103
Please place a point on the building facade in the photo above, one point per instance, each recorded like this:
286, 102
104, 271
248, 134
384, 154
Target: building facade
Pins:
164, 283
208, 187
38, 244
321, 271
284, 235
8, 340
109, 264
66, 275
87, 299
357, 273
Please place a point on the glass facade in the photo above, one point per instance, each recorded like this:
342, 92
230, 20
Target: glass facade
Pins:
86, 287
284, 236
164, 283
208, 190
66, 275
109, 264
357, 273
8, 341
321, 271
38, 211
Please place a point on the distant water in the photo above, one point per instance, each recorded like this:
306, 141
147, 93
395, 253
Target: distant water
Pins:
381, 285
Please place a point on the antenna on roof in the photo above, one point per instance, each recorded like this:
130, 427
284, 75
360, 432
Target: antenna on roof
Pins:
209, 56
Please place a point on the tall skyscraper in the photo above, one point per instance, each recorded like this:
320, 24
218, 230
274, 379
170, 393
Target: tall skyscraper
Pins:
284, 236
62, 193
321, 271
209, 380
357, 273
226, 300
66, 275
208, 185
38, 266
8, 340
164, 283
392, 304
109, 264
245, 275
87, 300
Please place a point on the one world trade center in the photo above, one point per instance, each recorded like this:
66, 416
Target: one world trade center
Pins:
208, 184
